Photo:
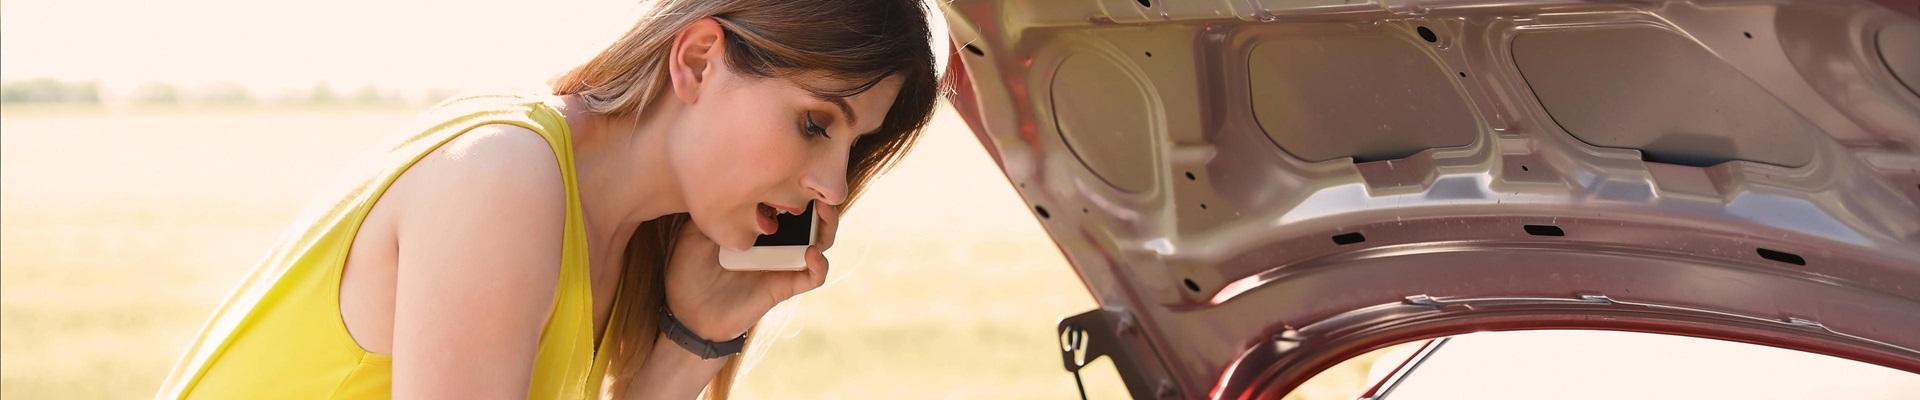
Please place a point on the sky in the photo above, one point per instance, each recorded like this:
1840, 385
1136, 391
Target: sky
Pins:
277, 46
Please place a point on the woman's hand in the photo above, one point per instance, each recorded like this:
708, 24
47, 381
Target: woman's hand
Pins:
719, 304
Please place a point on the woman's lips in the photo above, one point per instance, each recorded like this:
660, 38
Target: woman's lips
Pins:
763, 219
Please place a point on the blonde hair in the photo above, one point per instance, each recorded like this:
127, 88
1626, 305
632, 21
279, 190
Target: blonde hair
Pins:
859, 42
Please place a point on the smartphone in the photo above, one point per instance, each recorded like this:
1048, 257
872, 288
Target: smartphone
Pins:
784, 250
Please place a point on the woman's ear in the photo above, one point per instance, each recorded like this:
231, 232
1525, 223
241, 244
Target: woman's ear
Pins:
697, 52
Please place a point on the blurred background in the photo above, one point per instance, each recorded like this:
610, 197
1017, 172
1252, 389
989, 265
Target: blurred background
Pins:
150, 152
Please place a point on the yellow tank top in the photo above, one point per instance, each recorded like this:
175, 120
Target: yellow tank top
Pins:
281, 335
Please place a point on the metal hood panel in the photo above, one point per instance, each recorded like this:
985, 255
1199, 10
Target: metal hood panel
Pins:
1256, 190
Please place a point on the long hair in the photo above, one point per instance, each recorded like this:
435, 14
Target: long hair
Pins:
857, 41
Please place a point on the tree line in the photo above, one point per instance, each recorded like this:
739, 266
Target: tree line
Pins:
54, 91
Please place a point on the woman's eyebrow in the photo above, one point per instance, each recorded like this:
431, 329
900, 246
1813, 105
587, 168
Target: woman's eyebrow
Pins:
844, 108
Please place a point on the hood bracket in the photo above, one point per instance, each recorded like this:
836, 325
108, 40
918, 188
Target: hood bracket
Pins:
1112, 332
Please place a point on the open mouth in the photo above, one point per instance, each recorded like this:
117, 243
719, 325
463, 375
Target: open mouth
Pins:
764, 222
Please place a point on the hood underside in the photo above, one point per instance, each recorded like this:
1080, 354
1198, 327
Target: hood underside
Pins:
1255, 190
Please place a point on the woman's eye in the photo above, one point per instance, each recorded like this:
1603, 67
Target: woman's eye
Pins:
813, 128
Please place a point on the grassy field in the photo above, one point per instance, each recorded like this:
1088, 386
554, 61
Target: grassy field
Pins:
123, 229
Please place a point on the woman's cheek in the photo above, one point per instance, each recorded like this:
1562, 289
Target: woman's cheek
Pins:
777, 153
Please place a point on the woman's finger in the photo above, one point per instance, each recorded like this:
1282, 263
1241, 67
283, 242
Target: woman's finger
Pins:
829, 225
815, 274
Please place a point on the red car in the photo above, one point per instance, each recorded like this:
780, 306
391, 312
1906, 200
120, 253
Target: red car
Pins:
1256, 190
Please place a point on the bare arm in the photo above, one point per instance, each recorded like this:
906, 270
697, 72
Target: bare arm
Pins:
479, 244
670, 372
718, 305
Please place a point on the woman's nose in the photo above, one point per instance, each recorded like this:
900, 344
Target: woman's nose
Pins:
829, 185
826, 177
826, 181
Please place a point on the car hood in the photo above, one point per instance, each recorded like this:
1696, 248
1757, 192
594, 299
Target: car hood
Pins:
1256, 190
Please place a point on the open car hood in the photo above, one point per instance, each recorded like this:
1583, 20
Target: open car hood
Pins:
1255, 190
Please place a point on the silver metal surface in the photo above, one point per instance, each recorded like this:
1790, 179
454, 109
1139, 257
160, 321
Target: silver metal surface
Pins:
1688, 108
1310, 99
1270, 187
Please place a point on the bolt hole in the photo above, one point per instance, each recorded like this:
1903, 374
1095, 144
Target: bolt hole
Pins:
1781, 256
1463, 74
1523, 168
1042, 211
1144, 3
1190, 176
976, 51
1544, 230
1149, 54
1349, 238
1203, 206
1195, 287
1427, 34
1749, 35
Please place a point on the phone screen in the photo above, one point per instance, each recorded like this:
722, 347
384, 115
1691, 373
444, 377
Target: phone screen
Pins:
793, 230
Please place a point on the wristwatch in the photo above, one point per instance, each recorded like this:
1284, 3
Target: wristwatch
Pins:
699, 346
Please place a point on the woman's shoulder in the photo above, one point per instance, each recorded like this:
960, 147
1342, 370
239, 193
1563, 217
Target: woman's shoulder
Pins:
480, 239
459, 113
480, 153
500, 99
504, 162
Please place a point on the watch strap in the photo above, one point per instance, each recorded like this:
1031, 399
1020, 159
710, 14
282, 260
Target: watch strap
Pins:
699, 346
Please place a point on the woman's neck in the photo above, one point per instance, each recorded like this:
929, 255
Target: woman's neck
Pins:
621, 170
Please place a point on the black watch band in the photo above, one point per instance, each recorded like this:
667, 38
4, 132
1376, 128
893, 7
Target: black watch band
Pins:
695, 344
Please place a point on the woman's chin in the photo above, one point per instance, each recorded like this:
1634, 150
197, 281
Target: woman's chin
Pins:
736, 240
740, 242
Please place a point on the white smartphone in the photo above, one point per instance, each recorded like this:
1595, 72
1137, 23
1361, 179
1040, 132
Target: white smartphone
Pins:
784, 250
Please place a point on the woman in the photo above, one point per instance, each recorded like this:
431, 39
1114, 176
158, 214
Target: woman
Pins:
518, 246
